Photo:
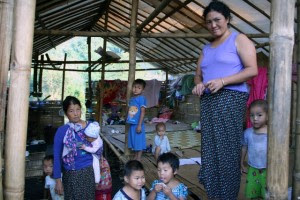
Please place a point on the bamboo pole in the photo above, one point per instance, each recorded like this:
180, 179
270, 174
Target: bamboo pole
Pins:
127, 34
103, 71
132, 62
89, 70
63, 79
154, 14
296, 172
18, 101
58, 62
113, 148
6, 22
279, 97
166, 86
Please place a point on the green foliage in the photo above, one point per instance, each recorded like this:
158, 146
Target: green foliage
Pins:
75, 82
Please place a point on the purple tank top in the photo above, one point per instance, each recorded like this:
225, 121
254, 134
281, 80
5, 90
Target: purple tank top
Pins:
222, 61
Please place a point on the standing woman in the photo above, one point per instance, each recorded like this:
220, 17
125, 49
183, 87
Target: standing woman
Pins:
73, 169
222, 69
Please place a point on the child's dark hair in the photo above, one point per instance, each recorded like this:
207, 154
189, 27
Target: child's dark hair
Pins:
48, 158
132, 165
160, 124
68, 101
169, 158
219, 7
261, 103
139, 82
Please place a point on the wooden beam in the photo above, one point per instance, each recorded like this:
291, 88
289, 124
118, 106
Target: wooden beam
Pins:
49, 60
142, 35
156, 12
58, 62
99, 70
132, 62
18, 101
6, 27
89, 70
63, 79
103, 71
169, 14
279, 97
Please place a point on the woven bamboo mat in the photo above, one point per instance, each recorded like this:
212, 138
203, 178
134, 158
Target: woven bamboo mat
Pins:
180, 139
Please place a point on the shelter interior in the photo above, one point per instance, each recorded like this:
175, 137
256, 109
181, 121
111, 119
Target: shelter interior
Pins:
170, 35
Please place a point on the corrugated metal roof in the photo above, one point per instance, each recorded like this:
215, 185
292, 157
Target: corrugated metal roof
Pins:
179, 16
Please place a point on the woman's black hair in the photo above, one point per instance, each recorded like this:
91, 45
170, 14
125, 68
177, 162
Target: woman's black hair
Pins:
139, 82
219, 7
132, 165
68, 101
169, 158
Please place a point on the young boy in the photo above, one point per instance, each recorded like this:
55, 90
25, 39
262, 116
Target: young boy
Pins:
49, 181
161, 141
134, 178
255, 142
136, 113
167, 187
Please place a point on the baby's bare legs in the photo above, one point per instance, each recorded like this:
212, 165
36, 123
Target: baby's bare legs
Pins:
156, 153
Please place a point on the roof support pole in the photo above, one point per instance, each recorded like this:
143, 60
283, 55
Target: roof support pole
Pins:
63, 79
279, 97
6, 23
18, 101
132, 62
154, 14
103, 71
296, 172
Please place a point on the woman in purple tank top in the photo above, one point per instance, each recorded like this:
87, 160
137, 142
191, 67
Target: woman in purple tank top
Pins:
223, 67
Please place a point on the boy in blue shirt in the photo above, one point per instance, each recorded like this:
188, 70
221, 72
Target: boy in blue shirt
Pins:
136, 113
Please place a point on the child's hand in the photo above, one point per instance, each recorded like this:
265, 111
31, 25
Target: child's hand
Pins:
138, 129
158, 187
82, 146
167, 191
243, 169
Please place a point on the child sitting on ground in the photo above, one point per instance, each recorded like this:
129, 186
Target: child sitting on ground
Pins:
49, 181
167, 187
255, 142
92, 132
134, 178
161, 141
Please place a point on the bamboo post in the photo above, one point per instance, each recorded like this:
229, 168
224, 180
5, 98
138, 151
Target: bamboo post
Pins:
63, 79
296, 172
132, 62
103, 71
90, 97
18, 101
279, 97
6, 23
166, 86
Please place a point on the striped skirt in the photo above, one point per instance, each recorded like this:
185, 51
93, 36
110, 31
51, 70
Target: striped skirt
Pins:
222, 119
79, 184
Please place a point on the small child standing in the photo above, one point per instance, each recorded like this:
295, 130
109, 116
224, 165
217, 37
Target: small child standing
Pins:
136, 113
92, 132
167, 187
49, 181
255, 142
161, 141
134, 178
